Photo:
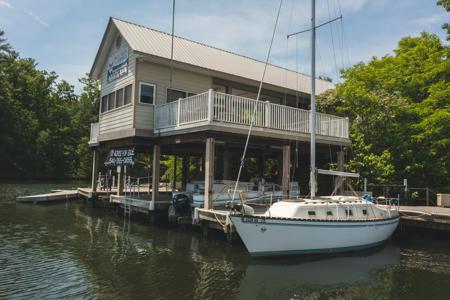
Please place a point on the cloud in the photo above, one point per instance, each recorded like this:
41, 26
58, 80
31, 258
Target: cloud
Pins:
431, 20
37, 18
5, 3
29, 13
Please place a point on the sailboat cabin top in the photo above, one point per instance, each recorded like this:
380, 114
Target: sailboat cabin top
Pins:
151, 87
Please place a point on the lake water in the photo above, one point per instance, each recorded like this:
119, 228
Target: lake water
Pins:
71, 250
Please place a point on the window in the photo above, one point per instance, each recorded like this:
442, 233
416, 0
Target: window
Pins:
111, 101
116, 99
174, 95
147, 93
311, 213
329, 213
104, 103
364, 211
127, 95
348, 212
119, 98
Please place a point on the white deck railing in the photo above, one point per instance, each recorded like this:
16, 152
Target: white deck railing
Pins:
95, 131
220, 107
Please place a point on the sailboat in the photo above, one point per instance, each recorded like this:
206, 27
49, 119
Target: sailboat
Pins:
316, 224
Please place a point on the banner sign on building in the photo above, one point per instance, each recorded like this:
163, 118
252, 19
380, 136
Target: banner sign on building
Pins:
120, 157
118, 65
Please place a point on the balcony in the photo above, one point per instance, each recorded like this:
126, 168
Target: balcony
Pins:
229, 111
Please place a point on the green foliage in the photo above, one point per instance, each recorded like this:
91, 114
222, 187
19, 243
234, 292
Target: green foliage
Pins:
399, 108
446, 5
44, 125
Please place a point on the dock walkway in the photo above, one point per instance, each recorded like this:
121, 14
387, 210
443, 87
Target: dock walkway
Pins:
414, 216
432, 217
54, 196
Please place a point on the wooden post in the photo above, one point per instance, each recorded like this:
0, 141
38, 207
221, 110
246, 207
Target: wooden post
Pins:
427, 196
260, 162
184, 171
94, 170
209, 172
226, 164
286, 170
120, 180
155, 176
174, 182
340, 166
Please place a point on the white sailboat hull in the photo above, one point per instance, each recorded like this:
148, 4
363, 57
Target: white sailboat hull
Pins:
272, 236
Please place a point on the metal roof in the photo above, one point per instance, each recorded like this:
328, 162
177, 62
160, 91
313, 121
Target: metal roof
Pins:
157, 43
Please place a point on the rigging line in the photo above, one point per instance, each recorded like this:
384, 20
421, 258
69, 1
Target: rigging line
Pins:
332, 43
171, 46
255, 107
296, 103
318, 26
344, 39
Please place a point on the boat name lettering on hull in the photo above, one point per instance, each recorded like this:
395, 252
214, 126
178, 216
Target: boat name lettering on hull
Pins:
252, 220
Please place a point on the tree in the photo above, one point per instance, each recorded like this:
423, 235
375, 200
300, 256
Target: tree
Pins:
446, 5
5, 48
399, 108
44, 125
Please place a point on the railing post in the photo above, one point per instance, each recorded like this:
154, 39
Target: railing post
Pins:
210, 105
346, 128
427, 196
268, 114
177, 122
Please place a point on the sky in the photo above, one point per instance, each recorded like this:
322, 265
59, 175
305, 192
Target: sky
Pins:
64, 35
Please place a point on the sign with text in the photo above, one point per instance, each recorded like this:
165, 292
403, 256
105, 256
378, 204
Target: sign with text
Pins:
118, 65
120, 157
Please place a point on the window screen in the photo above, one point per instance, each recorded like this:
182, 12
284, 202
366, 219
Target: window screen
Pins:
174, 95
111, 101
147, 93
104, 103
127, 94
119, 98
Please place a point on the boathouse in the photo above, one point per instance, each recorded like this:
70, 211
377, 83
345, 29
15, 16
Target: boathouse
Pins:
179, 97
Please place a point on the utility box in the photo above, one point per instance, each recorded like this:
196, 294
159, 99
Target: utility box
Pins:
443, 200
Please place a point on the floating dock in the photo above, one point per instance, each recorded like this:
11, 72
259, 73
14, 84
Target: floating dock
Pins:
57, 195
63, 195
429, 217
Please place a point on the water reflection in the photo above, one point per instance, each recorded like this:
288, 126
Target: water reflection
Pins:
281, 274
72, 250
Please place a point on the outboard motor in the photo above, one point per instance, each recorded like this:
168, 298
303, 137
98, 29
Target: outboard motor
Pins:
182, 204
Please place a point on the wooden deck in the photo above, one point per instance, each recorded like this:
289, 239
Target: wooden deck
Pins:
49, 197
430, 217
231, 113
141, 203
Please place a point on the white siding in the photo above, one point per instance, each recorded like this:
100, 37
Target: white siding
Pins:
182, 80
122, 117
108, 87
160, 76
117, 119
144, 116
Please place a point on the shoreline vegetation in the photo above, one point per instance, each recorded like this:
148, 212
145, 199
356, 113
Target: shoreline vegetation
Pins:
398, 106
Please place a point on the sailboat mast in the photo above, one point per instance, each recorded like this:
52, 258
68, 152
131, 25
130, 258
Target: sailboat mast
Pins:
312, 176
